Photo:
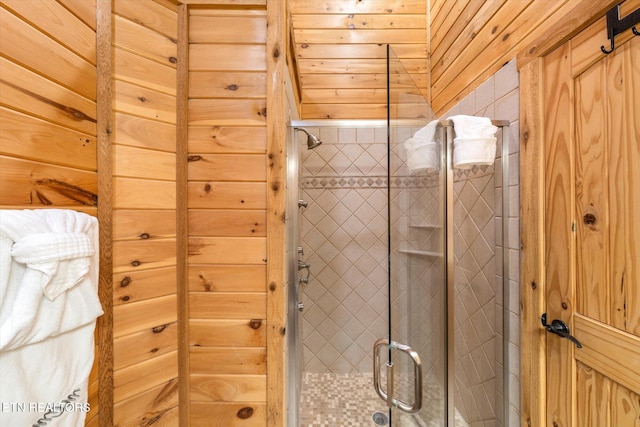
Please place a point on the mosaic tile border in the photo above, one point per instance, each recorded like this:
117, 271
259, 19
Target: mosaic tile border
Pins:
417, 181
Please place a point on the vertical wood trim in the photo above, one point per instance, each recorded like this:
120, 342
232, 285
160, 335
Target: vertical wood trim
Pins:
276, 202
104, 117
182, 229
532, 280
560, 244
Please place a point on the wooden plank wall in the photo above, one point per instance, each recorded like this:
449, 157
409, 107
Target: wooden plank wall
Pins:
340, 52
144, 213
48, 112
471, 39
227, 137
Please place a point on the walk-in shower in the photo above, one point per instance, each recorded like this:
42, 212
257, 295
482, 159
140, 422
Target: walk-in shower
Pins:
384, 251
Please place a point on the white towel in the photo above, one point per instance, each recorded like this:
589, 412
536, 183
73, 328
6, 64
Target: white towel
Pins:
48, 306
474, 143
49, 282
46, 383
422, 149
473, 126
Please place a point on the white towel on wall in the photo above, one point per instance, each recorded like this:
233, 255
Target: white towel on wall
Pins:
46, 383
49, 280
422, 153
48, 308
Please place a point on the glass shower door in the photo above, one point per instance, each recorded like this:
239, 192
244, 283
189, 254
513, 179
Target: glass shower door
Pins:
411, 363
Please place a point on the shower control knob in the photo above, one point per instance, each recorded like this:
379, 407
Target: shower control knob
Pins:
303, 203
300, 306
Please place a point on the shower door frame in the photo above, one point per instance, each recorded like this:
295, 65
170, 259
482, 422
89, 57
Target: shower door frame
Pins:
294, 364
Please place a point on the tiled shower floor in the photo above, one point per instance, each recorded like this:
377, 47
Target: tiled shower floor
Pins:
348, 400
332, 400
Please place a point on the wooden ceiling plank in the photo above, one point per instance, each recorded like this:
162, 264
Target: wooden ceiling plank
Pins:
360, 51
359, 21
356, 6
360, 36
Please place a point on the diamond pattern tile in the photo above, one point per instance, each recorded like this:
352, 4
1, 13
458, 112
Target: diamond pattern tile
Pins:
344, 233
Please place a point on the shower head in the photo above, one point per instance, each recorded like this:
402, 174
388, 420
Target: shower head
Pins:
312, 140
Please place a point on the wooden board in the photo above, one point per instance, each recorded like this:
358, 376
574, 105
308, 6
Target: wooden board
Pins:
227, 278
227, 195
133, 380
228, 414
216, 360
143, 224
60, 24
143, 254
227, 305
20, 41
38, 96
24, 182
228, 388
227, 250
138, 347
28, 137
240, 223
154, 313
156, 405
144, 133
227, 333
222, 139
227, 167
133, 286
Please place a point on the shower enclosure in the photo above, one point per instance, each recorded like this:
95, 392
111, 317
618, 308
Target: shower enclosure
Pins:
396, 277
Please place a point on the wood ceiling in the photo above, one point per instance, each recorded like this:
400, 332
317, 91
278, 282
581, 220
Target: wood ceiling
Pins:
340, 54
448, 48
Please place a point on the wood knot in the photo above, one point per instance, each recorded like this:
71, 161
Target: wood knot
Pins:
207, 188
154, 350
283, 331
173, 59
534, 285
589, 219
125, 298
232, 87
272, 287
304, 45
245, 413
158, 329
263, 112
194, 158
276, 53
142, 99
494, 29
145, 236
126, 281
255, 324
564, 306
505, 37
135, 263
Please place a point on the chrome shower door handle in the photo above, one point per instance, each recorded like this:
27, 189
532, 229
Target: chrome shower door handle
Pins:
387, 395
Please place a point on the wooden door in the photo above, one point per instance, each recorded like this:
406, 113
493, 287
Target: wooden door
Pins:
591, 218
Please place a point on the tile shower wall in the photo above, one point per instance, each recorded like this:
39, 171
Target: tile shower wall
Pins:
344, 235
480, 298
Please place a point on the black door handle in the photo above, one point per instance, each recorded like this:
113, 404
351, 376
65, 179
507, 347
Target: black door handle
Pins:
560, 328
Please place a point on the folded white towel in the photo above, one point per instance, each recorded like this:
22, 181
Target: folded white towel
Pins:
474, 143
49, 280
473, 126
422, 149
